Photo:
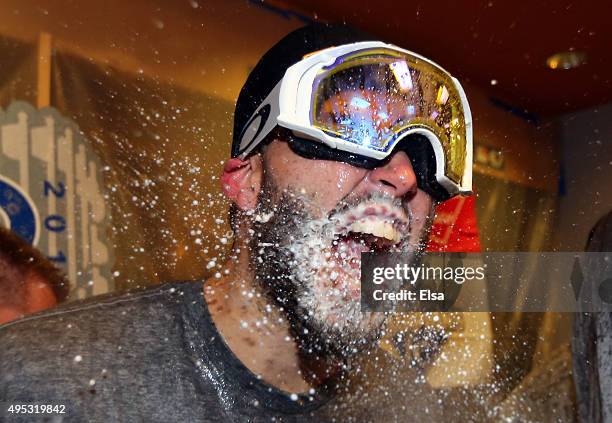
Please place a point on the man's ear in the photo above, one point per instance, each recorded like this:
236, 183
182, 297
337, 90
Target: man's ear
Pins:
241, 181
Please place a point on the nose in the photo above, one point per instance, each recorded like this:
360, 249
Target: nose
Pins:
395, 177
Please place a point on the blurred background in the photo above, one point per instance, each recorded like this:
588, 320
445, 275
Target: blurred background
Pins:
116, 118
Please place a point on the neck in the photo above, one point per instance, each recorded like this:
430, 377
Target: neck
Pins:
258, 332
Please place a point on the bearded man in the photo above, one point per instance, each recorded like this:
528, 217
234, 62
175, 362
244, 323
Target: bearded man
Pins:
342, 145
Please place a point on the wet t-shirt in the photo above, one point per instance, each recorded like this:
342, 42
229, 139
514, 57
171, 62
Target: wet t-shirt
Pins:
151, 356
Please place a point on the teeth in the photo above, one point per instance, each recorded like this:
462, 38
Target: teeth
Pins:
358, 227
377, 228
389, 232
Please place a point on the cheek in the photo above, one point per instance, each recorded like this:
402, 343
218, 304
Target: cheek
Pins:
326, 183
330, 182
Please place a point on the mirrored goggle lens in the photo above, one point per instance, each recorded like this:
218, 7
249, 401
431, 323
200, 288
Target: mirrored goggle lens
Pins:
371, 97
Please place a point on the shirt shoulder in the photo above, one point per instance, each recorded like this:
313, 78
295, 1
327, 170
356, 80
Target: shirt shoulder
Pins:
60, 351
96, 311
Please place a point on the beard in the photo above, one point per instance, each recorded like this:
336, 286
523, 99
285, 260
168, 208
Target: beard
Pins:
310, 267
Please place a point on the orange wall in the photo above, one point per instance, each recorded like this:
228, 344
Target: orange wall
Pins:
530, 152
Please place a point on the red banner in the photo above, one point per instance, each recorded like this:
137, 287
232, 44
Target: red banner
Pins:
454, 228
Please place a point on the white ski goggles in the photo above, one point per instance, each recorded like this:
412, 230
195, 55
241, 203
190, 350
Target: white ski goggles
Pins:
360, 102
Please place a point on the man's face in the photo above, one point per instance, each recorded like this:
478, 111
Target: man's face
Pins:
313, 220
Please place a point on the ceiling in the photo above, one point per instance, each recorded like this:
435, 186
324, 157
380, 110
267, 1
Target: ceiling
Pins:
505, 41
476, 40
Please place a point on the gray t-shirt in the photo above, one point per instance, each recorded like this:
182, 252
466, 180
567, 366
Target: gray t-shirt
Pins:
153, 356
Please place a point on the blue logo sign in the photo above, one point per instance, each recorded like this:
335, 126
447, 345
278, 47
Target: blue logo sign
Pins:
18, 211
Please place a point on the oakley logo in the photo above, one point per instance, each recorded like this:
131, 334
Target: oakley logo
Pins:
254, 126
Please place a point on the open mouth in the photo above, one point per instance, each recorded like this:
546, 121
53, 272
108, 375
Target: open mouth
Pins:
367, 227
376, 226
